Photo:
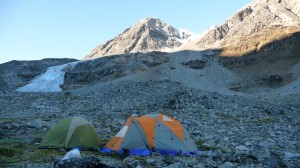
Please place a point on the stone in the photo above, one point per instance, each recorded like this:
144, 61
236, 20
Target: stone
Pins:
87, 162
37, 123
242, 149
190, 162
177, 165
200, 165
263, 154
226, 165
291, 159
151, 161
169, 159
133, 162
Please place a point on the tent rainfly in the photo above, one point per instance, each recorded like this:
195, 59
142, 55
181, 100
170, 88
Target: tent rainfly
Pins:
152, 132
71, 132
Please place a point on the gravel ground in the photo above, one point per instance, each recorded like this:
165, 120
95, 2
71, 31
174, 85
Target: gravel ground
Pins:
239, 131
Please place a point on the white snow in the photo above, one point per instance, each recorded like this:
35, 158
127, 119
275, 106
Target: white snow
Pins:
184, 32
184, 36
49, 81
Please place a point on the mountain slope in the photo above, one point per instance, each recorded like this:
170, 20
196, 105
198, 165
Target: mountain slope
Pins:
149, 34
254, 18
14, 74
260, 44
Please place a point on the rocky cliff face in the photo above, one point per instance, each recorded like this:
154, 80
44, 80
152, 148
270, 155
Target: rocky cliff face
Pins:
149, 34
255, 17
259, 43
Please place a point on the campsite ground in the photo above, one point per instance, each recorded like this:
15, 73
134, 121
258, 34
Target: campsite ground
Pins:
237, 119
242, 129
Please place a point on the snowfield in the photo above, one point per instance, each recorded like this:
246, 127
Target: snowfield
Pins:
49, 81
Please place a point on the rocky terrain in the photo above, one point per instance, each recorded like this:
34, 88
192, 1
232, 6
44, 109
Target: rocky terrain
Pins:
252, 19
150, 34
14, 74
241, 131
238, 98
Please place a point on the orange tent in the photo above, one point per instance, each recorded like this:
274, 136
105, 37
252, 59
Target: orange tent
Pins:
153, 132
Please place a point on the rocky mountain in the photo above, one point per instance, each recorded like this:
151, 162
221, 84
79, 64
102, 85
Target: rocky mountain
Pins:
149, 34
255, 17
259, 43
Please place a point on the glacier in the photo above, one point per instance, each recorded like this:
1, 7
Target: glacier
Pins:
50, 81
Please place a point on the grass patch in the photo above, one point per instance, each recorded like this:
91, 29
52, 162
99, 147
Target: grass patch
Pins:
7, 152
296, 124
11, 150
228, 117
200, 145
18, 150
89, 110
113, 155
224, 116
268, 120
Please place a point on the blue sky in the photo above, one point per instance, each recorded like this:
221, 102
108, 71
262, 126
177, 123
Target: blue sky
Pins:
37, 29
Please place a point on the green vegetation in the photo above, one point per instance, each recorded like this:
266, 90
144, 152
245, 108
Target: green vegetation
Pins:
6, 152
18, 150
269, 120
200, 144
113, 155
10, 150
224, 116
69, 96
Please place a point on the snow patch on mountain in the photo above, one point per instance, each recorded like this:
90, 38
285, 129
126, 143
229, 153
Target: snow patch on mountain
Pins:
50, 81
149, 34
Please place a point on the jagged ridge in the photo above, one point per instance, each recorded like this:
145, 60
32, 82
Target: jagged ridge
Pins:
253, 18
149, 34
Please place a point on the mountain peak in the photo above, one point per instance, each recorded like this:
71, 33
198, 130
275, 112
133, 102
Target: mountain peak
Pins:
253, 18
152, 22
149, 34
150, 19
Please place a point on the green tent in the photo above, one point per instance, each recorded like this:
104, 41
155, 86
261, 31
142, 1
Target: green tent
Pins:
70, 133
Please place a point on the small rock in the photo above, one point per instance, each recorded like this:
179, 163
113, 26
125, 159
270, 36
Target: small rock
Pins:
218, 155
128, 159
38, 123
107, 129
226, 165
248, 143
191, 162
177, 165
200, 165
169, 159
151, 161
263, 153
87, 162
132, 162
242, 149
291, 159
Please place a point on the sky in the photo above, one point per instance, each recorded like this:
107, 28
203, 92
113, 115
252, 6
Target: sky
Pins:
37, 29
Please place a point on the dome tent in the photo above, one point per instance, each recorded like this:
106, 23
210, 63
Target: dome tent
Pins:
70, 133
152, 132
